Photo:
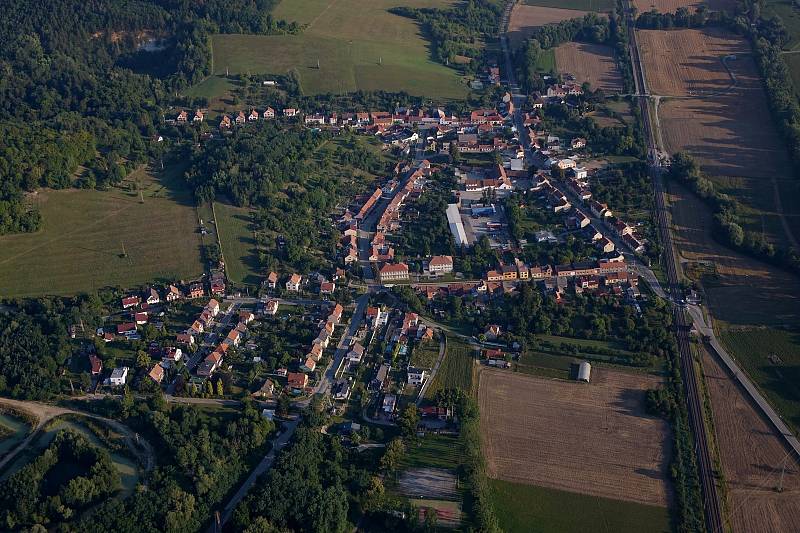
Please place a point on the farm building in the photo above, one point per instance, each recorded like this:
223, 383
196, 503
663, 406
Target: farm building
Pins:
584, 371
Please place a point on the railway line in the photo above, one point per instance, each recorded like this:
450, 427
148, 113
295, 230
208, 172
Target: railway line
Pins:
713, 510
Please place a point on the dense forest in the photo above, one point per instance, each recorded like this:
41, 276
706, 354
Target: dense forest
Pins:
70, 475
75, 109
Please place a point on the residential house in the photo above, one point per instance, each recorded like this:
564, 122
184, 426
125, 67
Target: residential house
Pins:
293, 284
140, 318
186, 339
271, 308
272, 280
268, 113
599, 210
578, 143
389, 404
131, 301
440, 264
173, 294
416, 376
297, 381
225, 122
492, 332
172, 355
196, 290
118, 376
241, 118
198, 116
156, 373
327, 287
95, 365
253, 116
152, 297
356, 353
126, 328
182, 117
290, 112
605, 245
309, 365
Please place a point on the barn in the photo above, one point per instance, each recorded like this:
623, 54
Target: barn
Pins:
584, 371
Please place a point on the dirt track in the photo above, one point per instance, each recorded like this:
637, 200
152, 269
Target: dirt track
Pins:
593, 439
752, 458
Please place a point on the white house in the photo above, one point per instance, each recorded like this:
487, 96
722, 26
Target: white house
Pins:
416, 376
293, 284
118, 376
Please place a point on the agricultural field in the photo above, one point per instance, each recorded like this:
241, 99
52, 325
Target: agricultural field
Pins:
739, 289
457, 368
528, 509
80, 246
359, 46
593, 439
593, 63
526, 18
752, 455
580, 5
670, 6
234, 225
721, 124
771, 357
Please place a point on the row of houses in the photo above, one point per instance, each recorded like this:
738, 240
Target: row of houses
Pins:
213, 361
322, 340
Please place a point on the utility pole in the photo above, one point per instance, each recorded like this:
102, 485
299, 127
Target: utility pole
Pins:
380, 60
318, 67
783, 473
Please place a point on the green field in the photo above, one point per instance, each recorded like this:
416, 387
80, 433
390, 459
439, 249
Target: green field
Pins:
359, 45
425, 355
528, 509
771, 357
434, 451
789, 15
234, 225
546, 62
456, 369
80, 245
582, 5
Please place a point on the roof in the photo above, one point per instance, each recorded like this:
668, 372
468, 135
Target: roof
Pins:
157, 373
394, 267
295, 279
440, 260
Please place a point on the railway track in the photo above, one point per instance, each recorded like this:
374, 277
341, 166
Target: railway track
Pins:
713, 511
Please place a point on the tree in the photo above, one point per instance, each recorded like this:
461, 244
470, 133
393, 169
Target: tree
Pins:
392, 456
142, 359
408, 420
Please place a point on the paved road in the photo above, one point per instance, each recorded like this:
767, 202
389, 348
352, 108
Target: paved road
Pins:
323, 387
711, 500
704, 329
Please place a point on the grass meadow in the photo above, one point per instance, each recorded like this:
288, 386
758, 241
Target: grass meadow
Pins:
80, 246
359, 46
529, 509
234, 225
456, 370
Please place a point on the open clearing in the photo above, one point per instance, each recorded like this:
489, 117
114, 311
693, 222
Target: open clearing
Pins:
528, 509
670, 6
429, 483
79, 247
234, 225
752, 458
592, 439
359, 46
525, 19
457, 369
593, 63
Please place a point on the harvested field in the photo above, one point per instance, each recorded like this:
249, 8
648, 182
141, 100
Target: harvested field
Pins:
670, 6
752, 457
689, 62
722, 122
429, 483
741, 290
525, 19
593, 63
591, 439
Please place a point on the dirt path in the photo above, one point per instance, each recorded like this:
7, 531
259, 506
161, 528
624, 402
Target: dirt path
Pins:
45, 413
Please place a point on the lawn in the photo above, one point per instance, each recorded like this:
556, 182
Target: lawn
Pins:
581, 5
425, 355
80, 246
434, 451
456, 369
530, 509
771, 357
234, 225
359, 46
546, 62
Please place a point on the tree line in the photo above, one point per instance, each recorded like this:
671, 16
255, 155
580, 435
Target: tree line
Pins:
727, 216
